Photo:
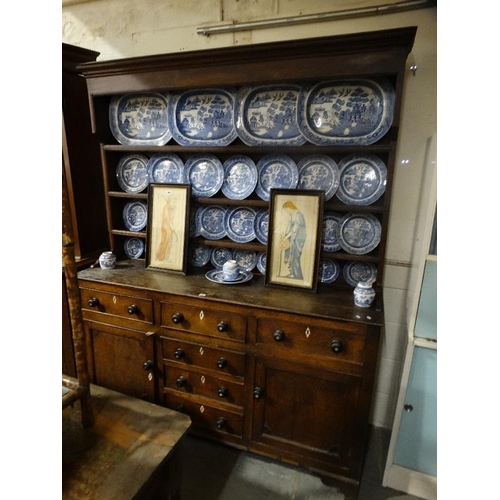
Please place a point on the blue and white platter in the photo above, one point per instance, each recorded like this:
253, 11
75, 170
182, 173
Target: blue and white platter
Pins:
165, 168
240, 177
202, 117
216, 275
329, 241
266, 116
363, 179
276, 171
261, 262
354, 272
261, 225
199, 255
239, 224
205, 173
246, 259
132, 173
220, 256
351, 112
329, 270
319, 172
133, 247
212, 222
358, 233
140, 119
135, 215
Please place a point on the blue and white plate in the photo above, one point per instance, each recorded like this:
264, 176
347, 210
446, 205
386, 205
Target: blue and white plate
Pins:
220, 256
266, 115
165, 168
132, 173
239, 224
246, 259
135, 215
240, 177
319, 172
329, 270
133, 247
212, 222
216, 275
202, 117
275, 171
261, 262
330, 242
205, 173
199, 255
140, 119
358, 233
343, 113
195, 222
261, 225
363, 179
354, 272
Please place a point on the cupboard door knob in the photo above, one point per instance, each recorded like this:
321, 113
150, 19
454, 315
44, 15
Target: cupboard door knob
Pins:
222, 326
148, 365
221, 363
221, 423
179, 353
222, 392
258, 392
178, 318
337, 345
408, 408
279, 336
94, 302
181, 381
133, 309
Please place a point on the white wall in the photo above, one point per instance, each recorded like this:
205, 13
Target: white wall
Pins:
126, 28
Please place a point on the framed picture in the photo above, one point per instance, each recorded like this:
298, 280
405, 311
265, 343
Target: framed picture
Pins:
168, 227
294, 239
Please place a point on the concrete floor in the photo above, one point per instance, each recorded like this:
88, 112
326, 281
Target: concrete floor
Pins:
212, 471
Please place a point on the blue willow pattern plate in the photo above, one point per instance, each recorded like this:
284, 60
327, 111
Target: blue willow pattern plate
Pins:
202, 117
358, 233
205, 173
329, 270
220, 256
135, 215
199, 255
319, 172
217, 276
261, 225
275, 171
133, 247
240, 177
132, 173
261, 262
350, 112
239, 224
266, 116
354, 272
212, 222
363, 179
195, 222
165, 168
330, 242
246, 259
140, 119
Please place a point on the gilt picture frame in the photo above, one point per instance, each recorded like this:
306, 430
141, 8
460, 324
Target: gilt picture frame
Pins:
167, 230
294, 238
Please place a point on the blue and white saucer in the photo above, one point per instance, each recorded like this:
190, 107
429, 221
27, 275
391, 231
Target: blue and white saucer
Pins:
329, 270
216, 275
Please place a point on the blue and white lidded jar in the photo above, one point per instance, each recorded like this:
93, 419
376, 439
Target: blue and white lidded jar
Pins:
107, 260
364, 294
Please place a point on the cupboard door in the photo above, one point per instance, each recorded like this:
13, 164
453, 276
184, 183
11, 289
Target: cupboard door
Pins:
122, 360
306, 411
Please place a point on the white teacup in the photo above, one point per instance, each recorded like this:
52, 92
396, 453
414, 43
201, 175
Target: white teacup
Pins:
230, 270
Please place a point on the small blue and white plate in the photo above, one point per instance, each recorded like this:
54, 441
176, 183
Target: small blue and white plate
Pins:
358, 233
330, 242
135, 215
195, 222
205, 173
165, 168
220, 256
239, 224
266, 115
275, 171
202, 117
140, 119
217, 276
199, 255
329, 270
132, 173
261, 262
133, 247
240, 177
212, 222
261, 225
319, 172
246, 259
363, 179
354, 272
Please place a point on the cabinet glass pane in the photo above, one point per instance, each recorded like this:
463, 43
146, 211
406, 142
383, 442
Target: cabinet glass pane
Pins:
426, 324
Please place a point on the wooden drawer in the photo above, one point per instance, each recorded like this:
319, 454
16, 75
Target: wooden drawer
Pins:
109, 307
203, 383
204, 320
206, 416
210, 358
343, 341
